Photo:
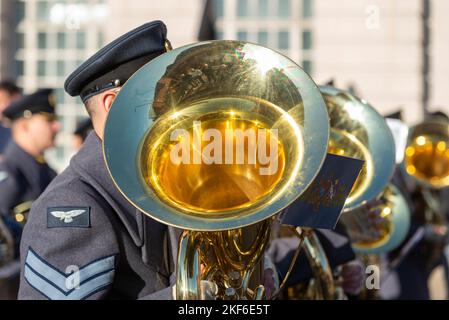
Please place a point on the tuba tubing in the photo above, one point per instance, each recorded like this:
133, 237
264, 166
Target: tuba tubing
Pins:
325, 287
188, 281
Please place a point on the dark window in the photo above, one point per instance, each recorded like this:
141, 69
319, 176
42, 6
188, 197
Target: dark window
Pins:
61, 40
307, 66
242, 8
242, 35
42, 10
262, 38
81, 40
20, 40
307, 40
263, 8
20, 71
307, 8
42, 40
41, 68
218, 8
284, 8
283, 41
20, 11
60, 68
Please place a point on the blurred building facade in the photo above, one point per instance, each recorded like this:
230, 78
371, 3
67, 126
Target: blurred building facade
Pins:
439, 96
375, 47
371, 46
284, 25
182, 18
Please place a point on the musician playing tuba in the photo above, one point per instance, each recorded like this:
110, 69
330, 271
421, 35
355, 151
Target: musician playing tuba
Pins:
82, 222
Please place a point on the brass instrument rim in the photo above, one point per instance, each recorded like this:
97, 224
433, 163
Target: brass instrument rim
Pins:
435, 126
400, 221
380, 144
124, 132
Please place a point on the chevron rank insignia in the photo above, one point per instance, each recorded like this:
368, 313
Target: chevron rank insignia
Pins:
78, 284
62, 217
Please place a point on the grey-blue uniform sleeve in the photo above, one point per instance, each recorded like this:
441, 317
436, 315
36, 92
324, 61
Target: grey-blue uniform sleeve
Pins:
10, 192
69, 249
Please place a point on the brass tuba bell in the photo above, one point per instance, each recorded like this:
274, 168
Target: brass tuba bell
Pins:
375, 213
382, 225
178, 143
427, 153
356, 131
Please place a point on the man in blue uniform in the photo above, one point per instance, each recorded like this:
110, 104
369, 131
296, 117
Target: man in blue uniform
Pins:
83, 239
24, 174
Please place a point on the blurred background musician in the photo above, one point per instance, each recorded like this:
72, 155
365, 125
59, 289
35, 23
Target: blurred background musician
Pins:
24, 174
429, 205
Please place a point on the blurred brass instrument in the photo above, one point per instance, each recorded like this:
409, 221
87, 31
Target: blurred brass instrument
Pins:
427, 154
427, 162
358, 131
375, 228
381, 225
322, 286
225, 207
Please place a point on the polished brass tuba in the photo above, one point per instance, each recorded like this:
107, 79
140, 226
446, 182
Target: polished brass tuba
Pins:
376, 215
381, 225
359, 131
427, 153
202, 101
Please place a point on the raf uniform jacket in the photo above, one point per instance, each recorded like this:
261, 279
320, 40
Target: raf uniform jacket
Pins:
22, 178
84, 240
